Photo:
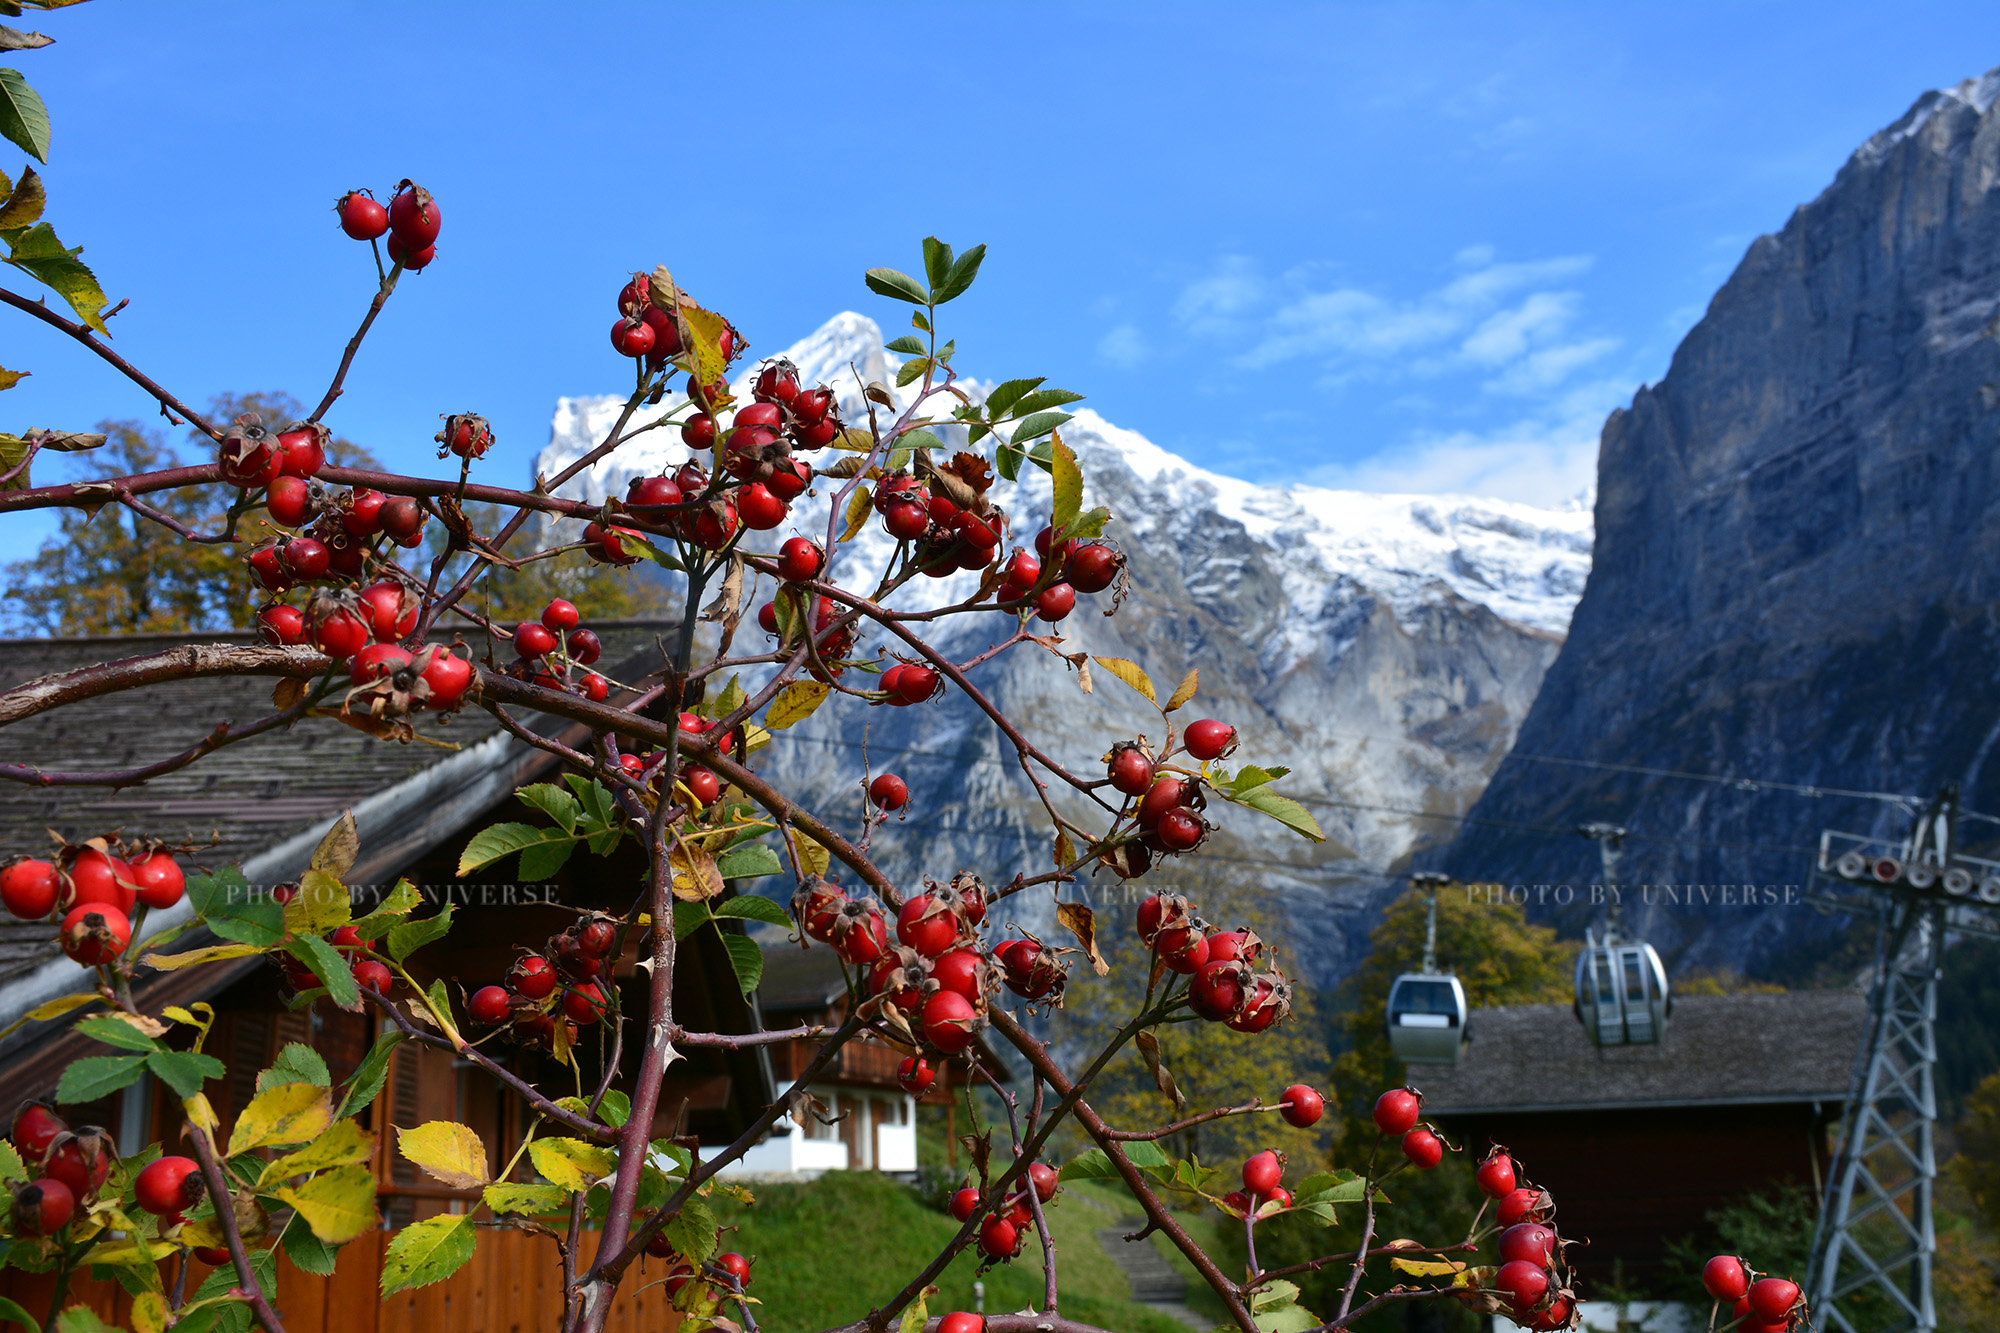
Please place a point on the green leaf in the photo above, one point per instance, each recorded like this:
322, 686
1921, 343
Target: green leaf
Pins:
937, 261
23, 118
1043, 400
1274, 1295
1008, 459
402, 900
616, 1108
917, 439
113, 1030
97, 1076
637, 543
908, 345
427, 1251
1283, 809
1090, 523
1091, 1164
80, 1318
1038, 425
682, 1159
1316, 1194
345, 1143
330, 966
1250, 776
411, 936
911, 372
1001, 401
490, 844
528, 1199
748, 861
11, 1312
1068, 485
37, 251
12, 1169
962, 273
185, 1071
338, 1205
322, 904
688, 918
888, 282
755, 907
368, 1076
296, 1063
307, 1252
746, 956
1147, 1155
692, 1231
552, 801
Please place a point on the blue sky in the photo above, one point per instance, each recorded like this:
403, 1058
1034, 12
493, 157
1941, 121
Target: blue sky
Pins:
1396, 247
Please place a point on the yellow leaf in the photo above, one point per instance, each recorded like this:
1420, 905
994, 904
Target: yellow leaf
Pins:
338, 1205
321, 904
858, 507
1426, 1267
1077, 919
204, 1231
337, 850
755, 737
451, 1152
149, 1312
812, 856
1185, 690
55, 1008
288, 1113
201, 1114
214, 953
343, 1145
571, 1163
1130, 673
696, 878
706, 345
795, 703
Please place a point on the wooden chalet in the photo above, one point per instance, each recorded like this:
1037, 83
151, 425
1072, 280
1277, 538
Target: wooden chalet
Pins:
264, 804
1639, 1144
870, 1122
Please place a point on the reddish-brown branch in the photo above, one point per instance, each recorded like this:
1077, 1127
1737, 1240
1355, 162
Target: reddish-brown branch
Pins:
239, 1256
385, 288
83, 335
1142, 1192
1139, 1135
186, 662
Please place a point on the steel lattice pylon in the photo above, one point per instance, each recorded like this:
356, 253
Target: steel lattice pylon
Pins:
1875, 1243
1875, 1231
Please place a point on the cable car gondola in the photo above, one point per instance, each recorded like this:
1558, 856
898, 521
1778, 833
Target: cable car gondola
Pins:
1621, 986
1427, 1012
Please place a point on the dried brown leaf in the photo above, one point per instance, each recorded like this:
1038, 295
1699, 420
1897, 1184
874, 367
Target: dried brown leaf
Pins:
1079, 921
1149, 1049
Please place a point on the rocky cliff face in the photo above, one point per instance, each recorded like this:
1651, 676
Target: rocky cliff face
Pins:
1797, 568
1386, 647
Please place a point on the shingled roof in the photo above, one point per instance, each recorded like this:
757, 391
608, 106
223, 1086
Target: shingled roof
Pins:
265, 801
1720, 1050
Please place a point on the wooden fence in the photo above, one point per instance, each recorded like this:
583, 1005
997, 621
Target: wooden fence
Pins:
512, 1285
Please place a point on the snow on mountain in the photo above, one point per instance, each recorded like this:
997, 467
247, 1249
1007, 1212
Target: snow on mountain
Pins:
1385, 647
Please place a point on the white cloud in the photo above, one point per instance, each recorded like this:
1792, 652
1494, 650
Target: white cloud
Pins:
1545, 458
1124, 347
1544, 370
1213, 305
1504, 337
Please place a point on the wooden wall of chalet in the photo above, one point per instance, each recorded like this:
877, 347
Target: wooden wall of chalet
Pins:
512, 1285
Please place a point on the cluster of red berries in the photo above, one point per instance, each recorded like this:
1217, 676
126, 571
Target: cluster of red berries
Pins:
1396, 1113
330, 533
369, 973
69, 1167
1759, 1304
365, 628
936, 974
550, 648
563, 983
1532, 1276
94, 888
696, 780
411, 220
1006, 1226
1261, 1176
1223, 987
1166, 802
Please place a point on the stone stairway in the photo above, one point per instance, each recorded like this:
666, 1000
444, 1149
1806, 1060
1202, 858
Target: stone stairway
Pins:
1155, 1282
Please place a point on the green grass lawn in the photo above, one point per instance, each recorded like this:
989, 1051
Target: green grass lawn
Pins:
830, 1250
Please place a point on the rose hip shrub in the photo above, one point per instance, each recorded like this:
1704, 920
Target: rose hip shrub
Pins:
365, 625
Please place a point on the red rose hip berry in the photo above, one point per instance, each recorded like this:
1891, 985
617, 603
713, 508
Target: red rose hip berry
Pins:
489, 1005
1262, 1173
1396, 1111
168, 1185
29, 889
799, 560
361, 217
1423, 1148
889, 792
1302, 1106
1209, 739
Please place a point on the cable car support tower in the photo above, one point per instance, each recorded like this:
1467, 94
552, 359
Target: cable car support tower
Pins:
1875, 1242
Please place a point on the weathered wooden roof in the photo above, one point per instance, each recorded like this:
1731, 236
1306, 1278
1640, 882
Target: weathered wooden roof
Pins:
1719, 1050
265, 802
